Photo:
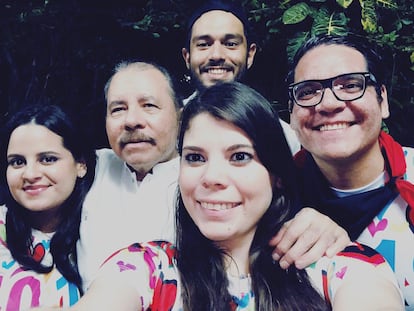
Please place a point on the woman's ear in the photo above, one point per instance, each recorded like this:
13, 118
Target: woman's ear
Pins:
82, 169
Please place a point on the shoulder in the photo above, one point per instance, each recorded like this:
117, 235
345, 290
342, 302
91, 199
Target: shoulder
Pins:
409, 155
107, 155
353, 270
108, 163
147, 268
409, 160
149, 253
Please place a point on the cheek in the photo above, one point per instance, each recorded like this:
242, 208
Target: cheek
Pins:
112, 131
68, 180
239, 58
11, 177
168, 133
189, 180
258, 188
297, 117
196, 58
185, 181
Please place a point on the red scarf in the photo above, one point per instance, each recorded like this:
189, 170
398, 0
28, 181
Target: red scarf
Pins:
398, 167
355, 212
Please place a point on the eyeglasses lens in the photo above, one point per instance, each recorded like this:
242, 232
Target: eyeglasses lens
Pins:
346, 88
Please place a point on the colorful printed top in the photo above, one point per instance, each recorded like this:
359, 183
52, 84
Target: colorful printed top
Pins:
391, 233
389, 228
150, 269
22, 289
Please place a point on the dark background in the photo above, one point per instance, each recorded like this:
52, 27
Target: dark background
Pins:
65, 54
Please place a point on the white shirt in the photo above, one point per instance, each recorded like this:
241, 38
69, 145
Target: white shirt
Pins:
119, 210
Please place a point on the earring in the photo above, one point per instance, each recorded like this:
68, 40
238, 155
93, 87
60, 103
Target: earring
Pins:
82, 171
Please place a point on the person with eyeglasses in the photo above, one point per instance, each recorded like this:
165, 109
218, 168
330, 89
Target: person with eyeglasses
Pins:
350, 169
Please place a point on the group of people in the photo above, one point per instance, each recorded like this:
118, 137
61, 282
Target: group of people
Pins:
202, 206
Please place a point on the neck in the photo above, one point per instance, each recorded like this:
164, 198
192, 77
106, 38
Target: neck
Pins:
237, 262
46, 221
142, 170
353, 172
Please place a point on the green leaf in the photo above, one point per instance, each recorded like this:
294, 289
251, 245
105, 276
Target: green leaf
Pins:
344, 3
406, 22
368, 16
295, 43
391, 4
330, 23
296, 14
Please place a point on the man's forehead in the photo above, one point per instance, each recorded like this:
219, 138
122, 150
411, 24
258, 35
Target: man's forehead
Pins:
143, 83
138, 78
217, 21
213, 25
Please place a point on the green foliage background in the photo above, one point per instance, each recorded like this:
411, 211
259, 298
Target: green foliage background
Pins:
63, 50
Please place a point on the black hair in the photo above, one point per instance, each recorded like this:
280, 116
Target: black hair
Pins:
199, 260
18, 226
233, 7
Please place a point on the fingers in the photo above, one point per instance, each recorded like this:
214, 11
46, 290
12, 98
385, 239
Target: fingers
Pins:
342, 240
279, 236
306, 238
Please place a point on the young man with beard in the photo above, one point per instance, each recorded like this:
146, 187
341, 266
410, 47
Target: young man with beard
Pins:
219, 49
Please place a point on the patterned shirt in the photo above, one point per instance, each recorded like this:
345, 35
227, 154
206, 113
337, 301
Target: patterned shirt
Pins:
150, 269
392, 235
22, 289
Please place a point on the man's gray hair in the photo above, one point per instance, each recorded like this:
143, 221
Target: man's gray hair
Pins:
141, 66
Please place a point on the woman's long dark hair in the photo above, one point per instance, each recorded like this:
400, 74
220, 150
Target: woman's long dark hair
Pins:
199, 260
18, 226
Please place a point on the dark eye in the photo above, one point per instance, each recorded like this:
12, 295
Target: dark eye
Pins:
241, 157
202, 44
352, 85
16, 162
231, 44
116, 109
307, 91
194, 157
150, 105
48, 159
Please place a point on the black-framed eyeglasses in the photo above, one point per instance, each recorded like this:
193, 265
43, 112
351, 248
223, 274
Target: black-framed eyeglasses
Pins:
345, 87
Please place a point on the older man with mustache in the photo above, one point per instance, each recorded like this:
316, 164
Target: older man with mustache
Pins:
132, 195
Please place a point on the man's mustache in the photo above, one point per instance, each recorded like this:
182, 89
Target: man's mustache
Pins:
135, 137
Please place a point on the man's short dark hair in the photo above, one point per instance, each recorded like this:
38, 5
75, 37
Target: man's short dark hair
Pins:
233, 7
